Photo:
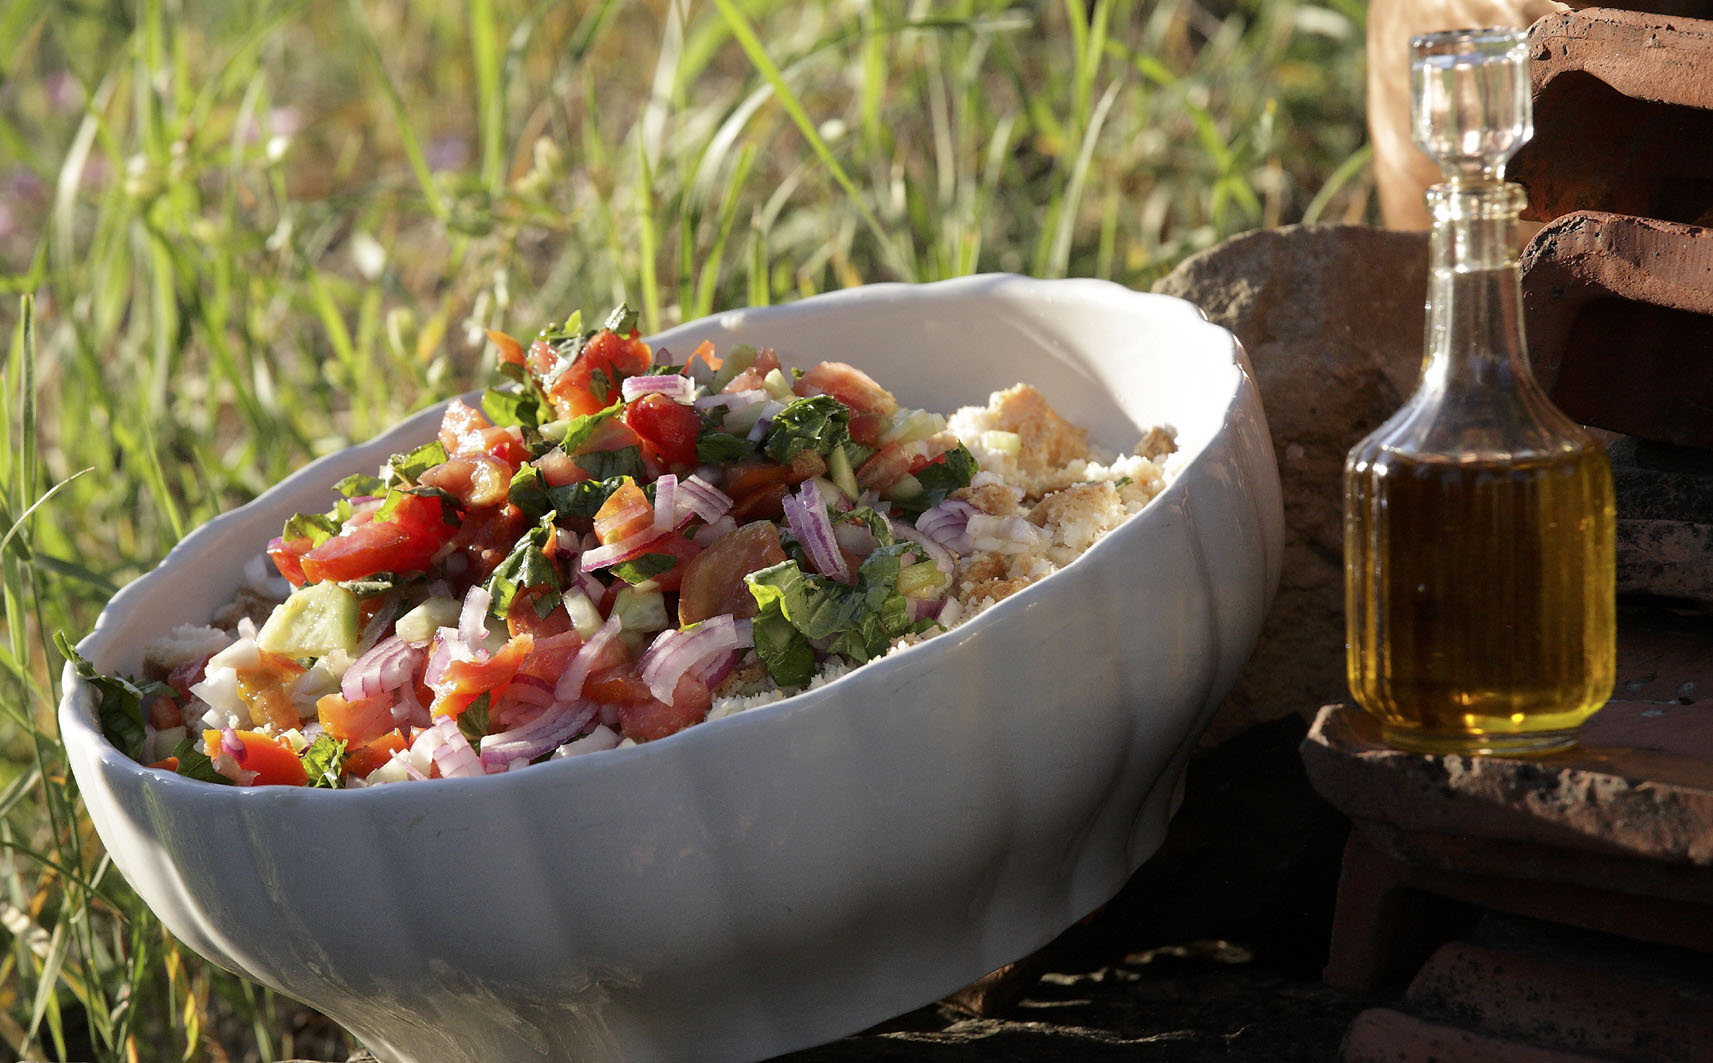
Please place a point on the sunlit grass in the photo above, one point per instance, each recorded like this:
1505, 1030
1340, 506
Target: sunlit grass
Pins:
236, 234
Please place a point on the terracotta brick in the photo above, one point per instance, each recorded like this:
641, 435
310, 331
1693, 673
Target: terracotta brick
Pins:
1572, 1002
1618, 312
1622, 115
1382, 1035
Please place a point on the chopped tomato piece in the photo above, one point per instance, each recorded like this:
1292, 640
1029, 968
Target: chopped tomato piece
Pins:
287, 556
362, 761
510, 350
465, 681
617, 685
274, 763
466, 431
475, 480
766, 501
713, 583
704, 353
406, 541
591, 383
525, 616
355, 722
625, 513
552, 655
668, 428
557, 469
488, 535
164, 713
646, 719
883, 468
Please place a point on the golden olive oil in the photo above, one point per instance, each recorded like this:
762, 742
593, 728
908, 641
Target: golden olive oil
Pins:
1480, 595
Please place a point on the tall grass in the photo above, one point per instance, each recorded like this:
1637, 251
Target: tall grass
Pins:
236, 234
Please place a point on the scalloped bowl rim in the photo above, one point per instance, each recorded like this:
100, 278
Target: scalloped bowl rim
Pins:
77, 709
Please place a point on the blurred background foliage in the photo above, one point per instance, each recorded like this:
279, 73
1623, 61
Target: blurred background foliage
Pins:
238, 234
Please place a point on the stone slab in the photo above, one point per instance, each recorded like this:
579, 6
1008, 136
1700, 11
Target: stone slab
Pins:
1332, 319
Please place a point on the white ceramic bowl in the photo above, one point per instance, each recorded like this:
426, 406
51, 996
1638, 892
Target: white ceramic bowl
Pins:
779, 878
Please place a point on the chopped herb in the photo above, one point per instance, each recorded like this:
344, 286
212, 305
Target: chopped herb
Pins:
817, 423
578, 431
316, 527
120, 708
714, 447
323, 762
359, 485
526, 566
195, 764
505, 406
410, 465
644, 567
623, 320
603, 382
528, 493
473, 721
861, 620
607, 464
941, 477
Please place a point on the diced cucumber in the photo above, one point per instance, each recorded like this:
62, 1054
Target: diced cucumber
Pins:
778, 386
418, 626
585, 618
903, 489
910, 425
640, 610
313, 622
1003, 442
840, 472
922, 579
742, 356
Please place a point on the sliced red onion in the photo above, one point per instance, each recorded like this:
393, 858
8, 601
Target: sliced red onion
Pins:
717, 668
591, 587
923, 608
686, 650
665, 503
440, 655
703, 499
731, 400
707, 533
599, 739
453, 755
807, 515
947, 523
855, 537
473, 619
552, 728
623, 550
570, 685
408, 711
768, 412
389, 664
939, 555
680, 389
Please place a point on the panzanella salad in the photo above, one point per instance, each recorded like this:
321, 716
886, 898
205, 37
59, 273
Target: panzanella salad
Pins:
612, 546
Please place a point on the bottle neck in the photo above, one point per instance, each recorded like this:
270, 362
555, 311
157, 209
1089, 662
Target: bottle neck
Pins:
1474, 308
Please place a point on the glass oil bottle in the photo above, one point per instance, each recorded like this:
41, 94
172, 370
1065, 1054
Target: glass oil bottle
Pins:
1478, 520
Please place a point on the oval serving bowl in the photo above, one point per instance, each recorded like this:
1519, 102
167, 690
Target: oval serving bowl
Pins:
787, 875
